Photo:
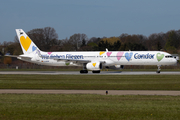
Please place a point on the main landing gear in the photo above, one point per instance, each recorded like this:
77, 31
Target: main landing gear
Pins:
159, 69
98, 71
84, 69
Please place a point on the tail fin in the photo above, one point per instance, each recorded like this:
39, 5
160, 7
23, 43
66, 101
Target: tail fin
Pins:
26, 43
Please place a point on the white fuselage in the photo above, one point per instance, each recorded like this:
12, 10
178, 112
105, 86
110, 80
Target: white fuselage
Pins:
108, 58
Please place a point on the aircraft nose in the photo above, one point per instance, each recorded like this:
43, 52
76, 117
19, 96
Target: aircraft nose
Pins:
174, 61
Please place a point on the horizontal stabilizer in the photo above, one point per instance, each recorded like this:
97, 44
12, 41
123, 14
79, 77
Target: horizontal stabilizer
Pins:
18, 56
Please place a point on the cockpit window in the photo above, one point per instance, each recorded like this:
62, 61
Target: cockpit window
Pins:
168, 56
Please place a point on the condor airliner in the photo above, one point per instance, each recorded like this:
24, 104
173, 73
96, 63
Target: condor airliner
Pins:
93, 61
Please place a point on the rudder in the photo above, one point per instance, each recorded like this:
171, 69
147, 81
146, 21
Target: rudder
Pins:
26, 43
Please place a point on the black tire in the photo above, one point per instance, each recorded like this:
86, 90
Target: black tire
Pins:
83, 71
96, 71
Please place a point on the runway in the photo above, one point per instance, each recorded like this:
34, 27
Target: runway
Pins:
90, 73
100, 92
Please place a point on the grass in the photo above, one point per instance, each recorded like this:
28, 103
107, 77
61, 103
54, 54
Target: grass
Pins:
91, 82
89, 107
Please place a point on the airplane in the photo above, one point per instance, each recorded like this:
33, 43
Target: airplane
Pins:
93, 61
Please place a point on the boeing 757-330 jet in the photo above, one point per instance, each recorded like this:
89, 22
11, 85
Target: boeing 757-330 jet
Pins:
93, 61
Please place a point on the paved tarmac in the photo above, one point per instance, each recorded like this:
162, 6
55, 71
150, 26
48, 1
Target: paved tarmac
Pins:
90, 73
100, 92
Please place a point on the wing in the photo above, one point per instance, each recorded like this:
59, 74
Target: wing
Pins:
76, 60
72, 60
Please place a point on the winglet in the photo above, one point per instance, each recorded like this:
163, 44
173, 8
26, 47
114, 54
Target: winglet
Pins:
106, 50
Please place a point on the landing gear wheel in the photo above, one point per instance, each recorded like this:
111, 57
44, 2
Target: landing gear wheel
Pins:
96, 71
159, 69
83, 71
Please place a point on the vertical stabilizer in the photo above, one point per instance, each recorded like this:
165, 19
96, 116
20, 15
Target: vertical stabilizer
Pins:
26, 43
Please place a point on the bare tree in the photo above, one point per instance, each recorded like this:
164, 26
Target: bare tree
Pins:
44, 38
76, 40
94, 40
37, 36
50, 36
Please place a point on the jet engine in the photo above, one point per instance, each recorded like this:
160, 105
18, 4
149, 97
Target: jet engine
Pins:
95, 66
115, 67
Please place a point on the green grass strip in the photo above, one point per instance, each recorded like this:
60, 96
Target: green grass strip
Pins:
91, 82
88, 107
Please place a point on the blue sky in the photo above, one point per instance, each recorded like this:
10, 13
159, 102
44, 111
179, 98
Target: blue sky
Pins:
95, 18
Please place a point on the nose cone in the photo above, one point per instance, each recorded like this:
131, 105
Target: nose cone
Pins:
174, 61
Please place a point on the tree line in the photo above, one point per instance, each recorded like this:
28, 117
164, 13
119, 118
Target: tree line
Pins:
47, 40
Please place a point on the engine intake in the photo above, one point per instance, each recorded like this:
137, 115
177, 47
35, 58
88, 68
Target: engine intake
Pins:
115, 67
94, 66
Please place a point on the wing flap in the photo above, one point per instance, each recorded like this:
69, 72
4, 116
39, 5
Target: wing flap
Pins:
73, 60
76, 60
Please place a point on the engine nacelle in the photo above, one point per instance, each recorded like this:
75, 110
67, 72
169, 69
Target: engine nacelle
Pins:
94, 66
115, 67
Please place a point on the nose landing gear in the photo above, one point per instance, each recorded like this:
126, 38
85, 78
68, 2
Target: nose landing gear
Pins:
159, 69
